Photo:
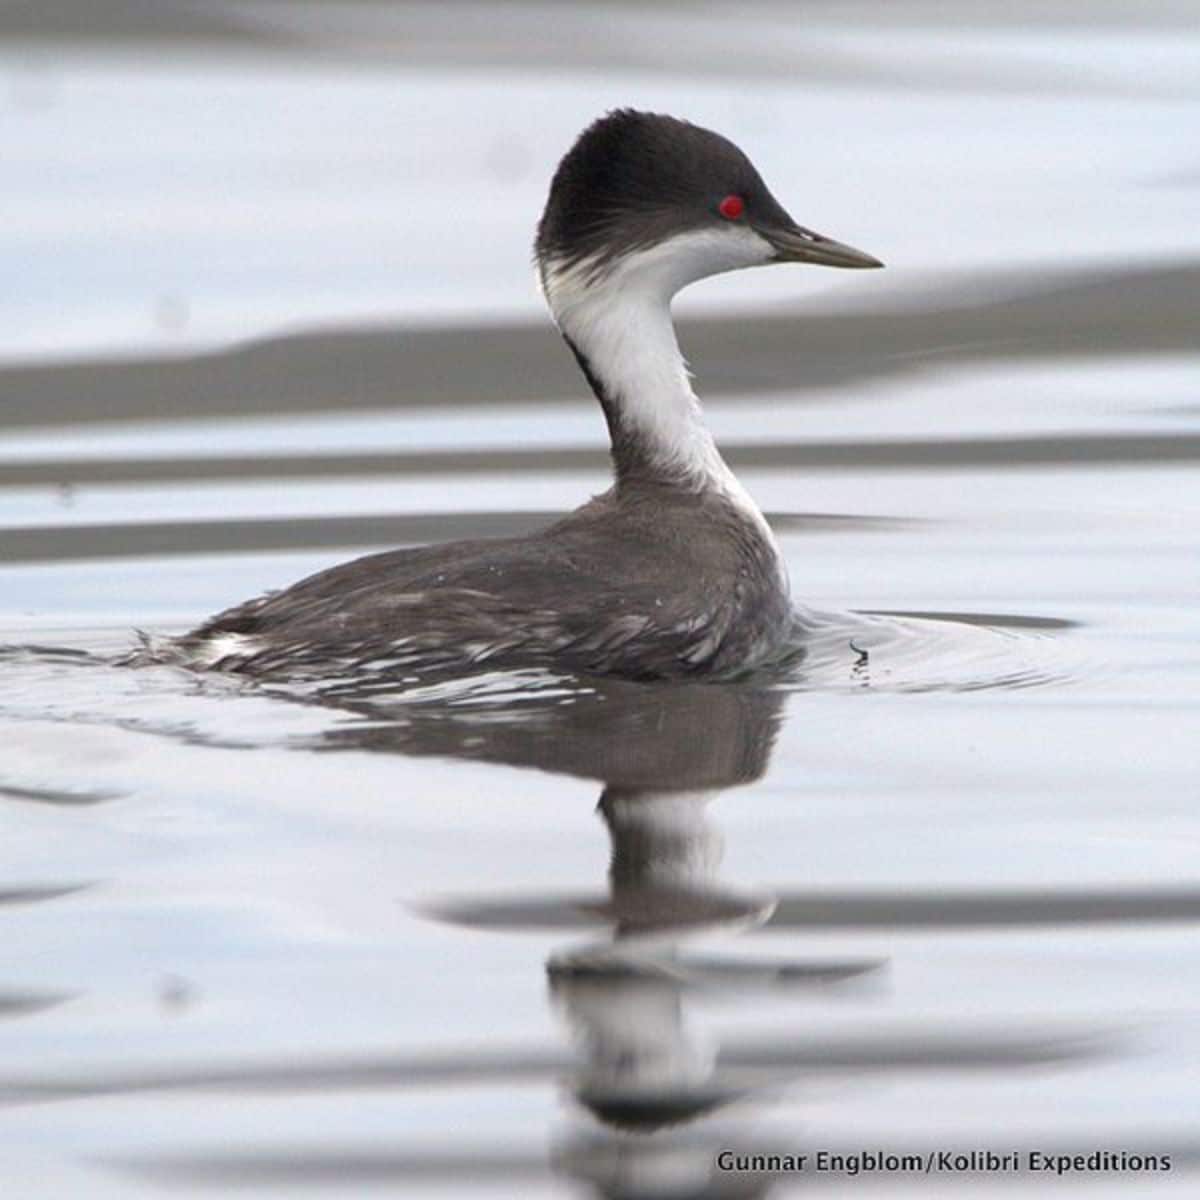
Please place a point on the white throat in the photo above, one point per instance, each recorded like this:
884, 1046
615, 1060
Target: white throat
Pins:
619, 319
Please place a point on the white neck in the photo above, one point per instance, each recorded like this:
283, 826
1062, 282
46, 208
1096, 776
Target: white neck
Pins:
619, 319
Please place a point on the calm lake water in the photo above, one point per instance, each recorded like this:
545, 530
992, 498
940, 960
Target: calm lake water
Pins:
270, 307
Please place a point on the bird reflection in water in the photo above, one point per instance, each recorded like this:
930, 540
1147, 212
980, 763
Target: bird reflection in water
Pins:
663, 754
641, 1070
661, 1098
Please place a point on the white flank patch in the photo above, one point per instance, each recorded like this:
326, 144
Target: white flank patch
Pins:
225, 645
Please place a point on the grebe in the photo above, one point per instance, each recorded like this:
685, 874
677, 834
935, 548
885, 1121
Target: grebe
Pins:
673, 572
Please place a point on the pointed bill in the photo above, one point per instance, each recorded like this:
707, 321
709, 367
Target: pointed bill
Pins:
794, 243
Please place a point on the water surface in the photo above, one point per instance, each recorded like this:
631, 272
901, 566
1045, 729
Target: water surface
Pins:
552, 935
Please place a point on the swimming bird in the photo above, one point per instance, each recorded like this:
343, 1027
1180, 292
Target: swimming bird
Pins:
671, 573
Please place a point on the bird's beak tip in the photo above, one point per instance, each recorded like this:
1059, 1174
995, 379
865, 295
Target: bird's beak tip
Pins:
858, 260
802, 245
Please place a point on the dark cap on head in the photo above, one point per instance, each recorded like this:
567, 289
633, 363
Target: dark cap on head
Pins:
634, 179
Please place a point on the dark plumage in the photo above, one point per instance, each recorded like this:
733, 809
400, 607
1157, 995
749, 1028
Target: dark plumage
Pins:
640, 584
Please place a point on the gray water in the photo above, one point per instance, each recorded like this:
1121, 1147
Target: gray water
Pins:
938, 890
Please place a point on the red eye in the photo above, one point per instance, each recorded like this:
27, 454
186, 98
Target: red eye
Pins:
731, 207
